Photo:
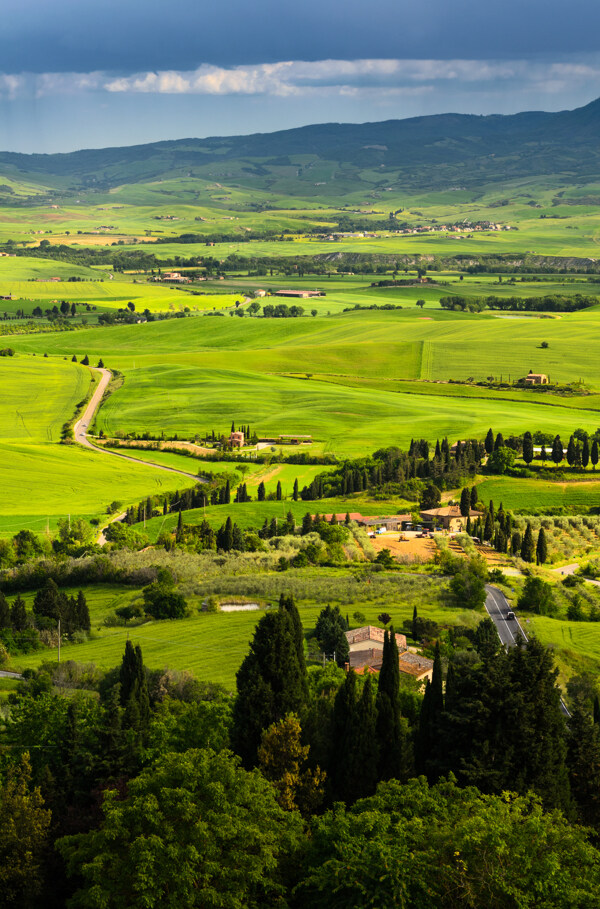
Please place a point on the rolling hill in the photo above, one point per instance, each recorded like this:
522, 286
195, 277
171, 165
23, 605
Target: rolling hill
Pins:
431, 151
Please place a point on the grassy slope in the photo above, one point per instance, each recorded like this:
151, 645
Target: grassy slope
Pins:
189, 376
41, 479
212, 646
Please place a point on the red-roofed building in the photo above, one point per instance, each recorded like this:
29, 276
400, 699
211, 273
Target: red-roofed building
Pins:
370, 637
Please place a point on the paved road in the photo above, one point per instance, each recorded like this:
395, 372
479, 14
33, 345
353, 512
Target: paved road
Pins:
80, 431
498, 608
508, 630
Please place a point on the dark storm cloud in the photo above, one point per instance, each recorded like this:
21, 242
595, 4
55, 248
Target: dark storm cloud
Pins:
128, 36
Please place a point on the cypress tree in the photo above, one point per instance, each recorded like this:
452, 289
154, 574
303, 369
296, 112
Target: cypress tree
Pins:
585, 454
527, 546
134, 688
414, 629
595, 453
488, 530
429, 745
5, 619
179, 531
344, 733
541, 551
270, 683
571, 452
557, 450
489, 442
288, 605
365, 750
528, 448
465, 502
536, 743
295, 492
583, 759
83, 613
474, 497
499, 442
18, 614
47, 601
307, 524
261, 492
278, 494
391, 737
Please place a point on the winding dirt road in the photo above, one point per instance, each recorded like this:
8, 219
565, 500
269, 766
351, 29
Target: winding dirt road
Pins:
80, 430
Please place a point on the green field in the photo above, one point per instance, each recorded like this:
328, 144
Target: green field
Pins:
43, 480
356, 381
189, 376
212, 646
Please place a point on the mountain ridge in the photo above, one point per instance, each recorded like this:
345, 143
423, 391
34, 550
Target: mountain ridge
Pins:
491, 146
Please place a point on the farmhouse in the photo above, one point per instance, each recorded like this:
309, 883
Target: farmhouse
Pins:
411, 664
449, 517
369, 638
535, 378
236, 439
419, 667
394, 522
299, 293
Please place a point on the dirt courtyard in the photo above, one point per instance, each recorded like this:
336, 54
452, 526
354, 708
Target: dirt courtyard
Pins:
422, 548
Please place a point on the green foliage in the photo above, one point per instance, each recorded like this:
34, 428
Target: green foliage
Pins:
467, 586
411, 845
330, 631
271, 682
537, 596
193, 830
501, 460
24, 828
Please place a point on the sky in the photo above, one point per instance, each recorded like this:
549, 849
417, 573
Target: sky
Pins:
96, 73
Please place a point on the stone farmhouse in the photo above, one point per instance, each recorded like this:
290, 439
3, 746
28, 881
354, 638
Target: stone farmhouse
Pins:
449, 517
535, 378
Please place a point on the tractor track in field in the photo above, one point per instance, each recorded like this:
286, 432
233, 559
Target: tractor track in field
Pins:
80, 430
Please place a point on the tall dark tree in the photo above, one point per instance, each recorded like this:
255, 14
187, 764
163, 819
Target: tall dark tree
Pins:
179, 530
527, 546
353, 769
330, 632
5, 618
583, 759
465, 502
489, 442
595, 453
133, 693
474, 497
585, 452
499, 442
295, 493
279, 493
261, 492
288, 605
571, 452
429, 744
18, 614
270, 683
391, 732
48, 601
557, 450
528, 448
541, 549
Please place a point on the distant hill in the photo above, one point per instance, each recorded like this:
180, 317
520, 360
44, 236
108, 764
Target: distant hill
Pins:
433, 151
